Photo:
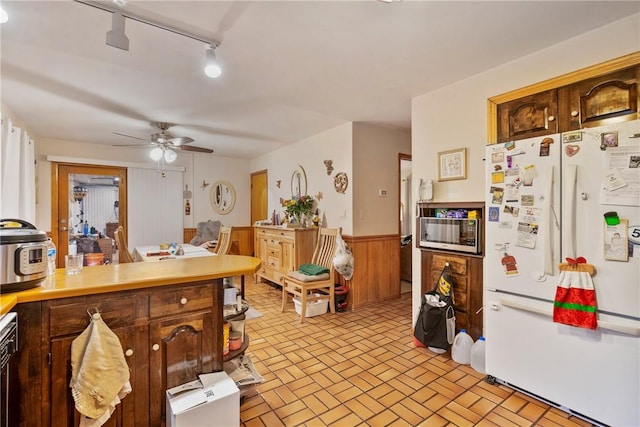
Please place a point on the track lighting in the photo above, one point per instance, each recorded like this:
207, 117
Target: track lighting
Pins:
212, 67
116, 36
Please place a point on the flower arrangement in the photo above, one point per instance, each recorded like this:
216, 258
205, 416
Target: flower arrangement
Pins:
297, 207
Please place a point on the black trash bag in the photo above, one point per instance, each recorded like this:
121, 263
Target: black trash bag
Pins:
436, 323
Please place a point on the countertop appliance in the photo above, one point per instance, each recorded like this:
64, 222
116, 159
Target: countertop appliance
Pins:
23, 255
547, 199
8, 345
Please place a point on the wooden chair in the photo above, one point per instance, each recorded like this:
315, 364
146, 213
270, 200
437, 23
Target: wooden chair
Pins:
124, 255
323, 256
224, 241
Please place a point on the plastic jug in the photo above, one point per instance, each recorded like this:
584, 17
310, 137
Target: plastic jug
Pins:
461, 349
477, 355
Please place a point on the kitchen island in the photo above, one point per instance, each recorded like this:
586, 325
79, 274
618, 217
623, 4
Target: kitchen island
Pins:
168, 316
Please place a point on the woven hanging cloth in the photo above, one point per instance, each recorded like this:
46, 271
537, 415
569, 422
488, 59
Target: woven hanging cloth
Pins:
100, 374
575, 301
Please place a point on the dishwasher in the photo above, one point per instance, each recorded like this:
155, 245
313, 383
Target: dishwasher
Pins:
8, 346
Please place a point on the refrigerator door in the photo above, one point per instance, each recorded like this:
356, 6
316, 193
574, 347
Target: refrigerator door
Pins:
593, 373
522, 229
584, 232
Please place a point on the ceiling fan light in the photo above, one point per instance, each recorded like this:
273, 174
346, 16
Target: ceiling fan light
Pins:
212, 67
170, 156
4, 17
156, 154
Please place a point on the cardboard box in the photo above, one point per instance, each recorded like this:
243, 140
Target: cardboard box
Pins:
213, 400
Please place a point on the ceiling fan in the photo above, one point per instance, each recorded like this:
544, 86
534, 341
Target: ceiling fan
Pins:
165, 144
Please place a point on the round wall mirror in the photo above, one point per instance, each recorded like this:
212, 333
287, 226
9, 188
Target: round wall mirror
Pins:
298, 183
222, 197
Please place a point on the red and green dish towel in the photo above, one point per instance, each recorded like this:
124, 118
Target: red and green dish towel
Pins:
575, 301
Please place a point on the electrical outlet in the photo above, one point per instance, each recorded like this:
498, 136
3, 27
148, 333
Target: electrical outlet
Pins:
382, 193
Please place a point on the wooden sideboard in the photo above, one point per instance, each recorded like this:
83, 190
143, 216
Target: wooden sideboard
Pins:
282, 250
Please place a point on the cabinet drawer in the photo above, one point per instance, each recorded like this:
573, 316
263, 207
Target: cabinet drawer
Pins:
73, 318
273, 252
458, 264
182, 300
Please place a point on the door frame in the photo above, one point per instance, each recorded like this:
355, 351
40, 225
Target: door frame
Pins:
60, 192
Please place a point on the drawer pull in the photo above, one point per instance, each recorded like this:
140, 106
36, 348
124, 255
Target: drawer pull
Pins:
183, 301
129, 352
155, 347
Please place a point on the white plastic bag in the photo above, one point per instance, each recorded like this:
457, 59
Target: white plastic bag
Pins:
343, 259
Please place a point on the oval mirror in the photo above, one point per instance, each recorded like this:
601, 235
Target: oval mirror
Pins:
222, 197
298, 183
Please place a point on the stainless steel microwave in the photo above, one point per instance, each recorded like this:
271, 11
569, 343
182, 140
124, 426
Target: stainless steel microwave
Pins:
454, 234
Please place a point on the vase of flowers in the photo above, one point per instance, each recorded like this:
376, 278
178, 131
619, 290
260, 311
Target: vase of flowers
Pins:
298, 207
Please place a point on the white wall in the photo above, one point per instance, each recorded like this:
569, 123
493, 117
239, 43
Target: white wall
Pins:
456, 116
375, 168
334, 144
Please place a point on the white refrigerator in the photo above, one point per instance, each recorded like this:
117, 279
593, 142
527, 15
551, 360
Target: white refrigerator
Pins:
546, 200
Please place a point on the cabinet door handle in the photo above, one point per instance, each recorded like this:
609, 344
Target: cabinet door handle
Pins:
155, 347
552, 118
574, 113
129, 352
183, 301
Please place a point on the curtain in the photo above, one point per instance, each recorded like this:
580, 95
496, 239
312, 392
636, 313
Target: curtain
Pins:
17, 174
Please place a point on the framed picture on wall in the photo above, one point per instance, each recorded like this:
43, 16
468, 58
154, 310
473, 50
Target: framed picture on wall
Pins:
452, 164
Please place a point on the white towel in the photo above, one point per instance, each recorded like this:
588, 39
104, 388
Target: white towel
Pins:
100, 374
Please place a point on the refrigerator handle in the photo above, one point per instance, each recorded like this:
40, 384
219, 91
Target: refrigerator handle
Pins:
572, 178
549, 215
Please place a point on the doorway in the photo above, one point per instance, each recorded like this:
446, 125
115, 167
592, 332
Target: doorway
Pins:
405, 222
259, 196
86, 200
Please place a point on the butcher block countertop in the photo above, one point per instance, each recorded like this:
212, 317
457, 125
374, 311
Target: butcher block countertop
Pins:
137, 275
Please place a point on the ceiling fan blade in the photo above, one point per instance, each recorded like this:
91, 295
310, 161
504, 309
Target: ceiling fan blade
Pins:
194, 148
180, 140
134, 145
129, 136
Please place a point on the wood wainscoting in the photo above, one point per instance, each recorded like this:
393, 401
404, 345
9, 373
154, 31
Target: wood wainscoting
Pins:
376, 275
241, 239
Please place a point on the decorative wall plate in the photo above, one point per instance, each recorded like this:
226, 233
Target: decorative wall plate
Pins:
341, 182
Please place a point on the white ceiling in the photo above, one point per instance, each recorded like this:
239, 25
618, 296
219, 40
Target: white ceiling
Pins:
292, 69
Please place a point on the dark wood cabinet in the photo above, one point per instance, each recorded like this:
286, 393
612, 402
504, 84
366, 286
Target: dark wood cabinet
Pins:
181, 349
600, 100
533, 115
466, 273
169, 336
608, 98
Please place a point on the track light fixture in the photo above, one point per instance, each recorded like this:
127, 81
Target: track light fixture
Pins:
117, 38
212, 67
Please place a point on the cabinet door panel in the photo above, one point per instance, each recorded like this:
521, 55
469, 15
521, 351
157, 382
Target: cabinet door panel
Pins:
527, 117
598, 101
63, 410
181, 349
